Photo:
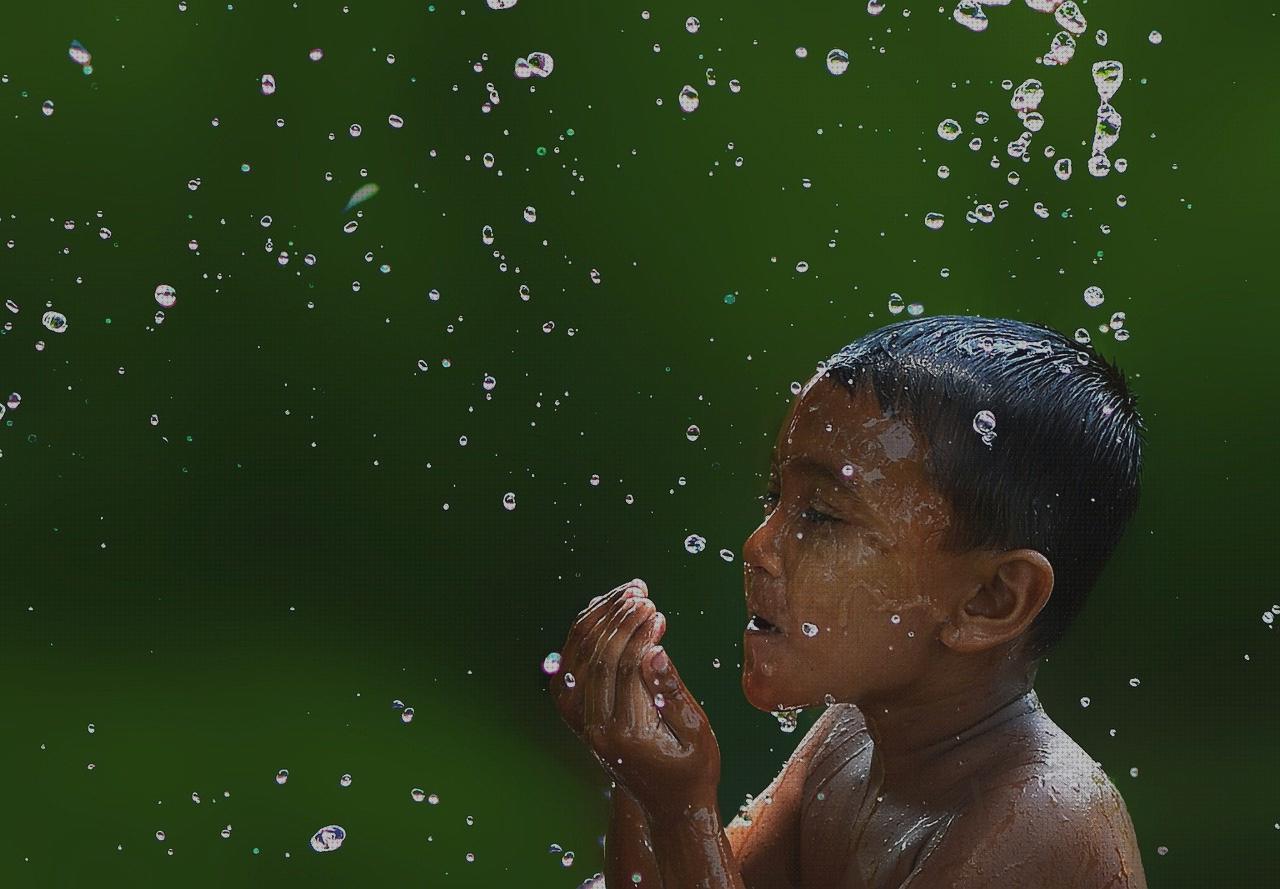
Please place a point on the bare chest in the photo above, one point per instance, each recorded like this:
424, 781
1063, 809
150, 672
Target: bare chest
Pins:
855, 833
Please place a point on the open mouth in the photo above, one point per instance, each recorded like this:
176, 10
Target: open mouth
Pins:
758, 624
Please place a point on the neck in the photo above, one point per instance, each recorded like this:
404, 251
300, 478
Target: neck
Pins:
911, 733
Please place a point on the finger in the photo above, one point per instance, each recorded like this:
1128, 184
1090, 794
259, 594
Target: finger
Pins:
589, 618
581, 638
628, 648
679, 710
575, 661
633, 706
602, 670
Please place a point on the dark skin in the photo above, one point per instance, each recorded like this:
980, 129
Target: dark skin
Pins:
933, 766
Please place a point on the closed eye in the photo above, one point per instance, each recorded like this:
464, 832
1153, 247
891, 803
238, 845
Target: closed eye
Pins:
810, 514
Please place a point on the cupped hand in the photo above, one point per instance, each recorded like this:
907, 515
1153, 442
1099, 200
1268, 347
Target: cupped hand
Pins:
620, 693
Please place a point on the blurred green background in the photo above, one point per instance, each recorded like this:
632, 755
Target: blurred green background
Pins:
300, 538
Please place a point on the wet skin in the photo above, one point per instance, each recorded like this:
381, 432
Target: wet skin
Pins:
934, 764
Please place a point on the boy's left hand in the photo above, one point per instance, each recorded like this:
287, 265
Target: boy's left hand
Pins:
638, 717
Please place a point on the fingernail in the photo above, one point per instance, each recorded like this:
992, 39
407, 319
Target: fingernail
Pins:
660, 660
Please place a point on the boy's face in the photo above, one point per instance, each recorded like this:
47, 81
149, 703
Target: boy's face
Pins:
858, 602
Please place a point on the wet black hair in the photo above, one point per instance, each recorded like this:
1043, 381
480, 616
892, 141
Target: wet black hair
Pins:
1060, 475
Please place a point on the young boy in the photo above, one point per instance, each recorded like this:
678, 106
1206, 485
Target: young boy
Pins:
944, 493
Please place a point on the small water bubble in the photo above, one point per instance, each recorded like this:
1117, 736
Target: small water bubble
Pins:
530, 214
984, 423
570, 680
417, 794
1071, 18
345, 781
567, 859
688, 99
837, 61
970, 14
802, 266
949, 129
726, 554
165, 295
787, 719
809, 629
326, 839
695, 544
1093, 296
355, 130
282, 776
316, 54
1155, 37
509, 501
934, 220
1084, 702
692, 433
406, 715
1135, 682
55, 321
160, 835
551, 663
395, 121
1063, 168
268, 84
915, 309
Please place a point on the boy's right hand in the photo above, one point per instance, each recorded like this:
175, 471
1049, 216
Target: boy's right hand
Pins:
603, 623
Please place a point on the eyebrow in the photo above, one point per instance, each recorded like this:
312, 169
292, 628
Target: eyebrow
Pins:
846, 482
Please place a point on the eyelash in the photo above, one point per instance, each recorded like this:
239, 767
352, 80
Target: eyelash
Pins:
819, 518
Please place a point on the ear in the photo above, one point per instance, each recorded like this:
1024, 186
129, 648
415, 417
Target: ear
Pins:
1014, 586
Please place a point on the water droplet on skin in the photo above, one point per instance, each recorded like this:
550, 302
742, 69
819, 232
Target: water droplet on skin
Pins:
659, 701
570, 680
984, 423
809, 629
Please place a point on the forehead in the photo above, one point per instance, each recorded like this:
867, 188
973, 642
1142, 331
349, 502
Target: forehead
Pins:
828, 422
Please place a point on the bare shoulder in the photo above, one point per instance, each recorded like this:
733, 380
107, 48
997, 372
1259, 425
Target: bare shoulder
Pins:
1050, 817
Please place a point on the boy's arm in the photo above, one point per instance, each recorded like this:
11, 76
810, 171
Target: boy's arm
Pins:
766, 837
628, 847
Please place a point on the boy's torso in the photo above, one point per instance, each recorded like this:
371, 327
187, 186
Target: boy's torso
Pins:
858, 833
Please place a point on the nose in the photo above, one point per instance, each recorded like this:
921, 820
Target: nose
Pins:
760, 550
